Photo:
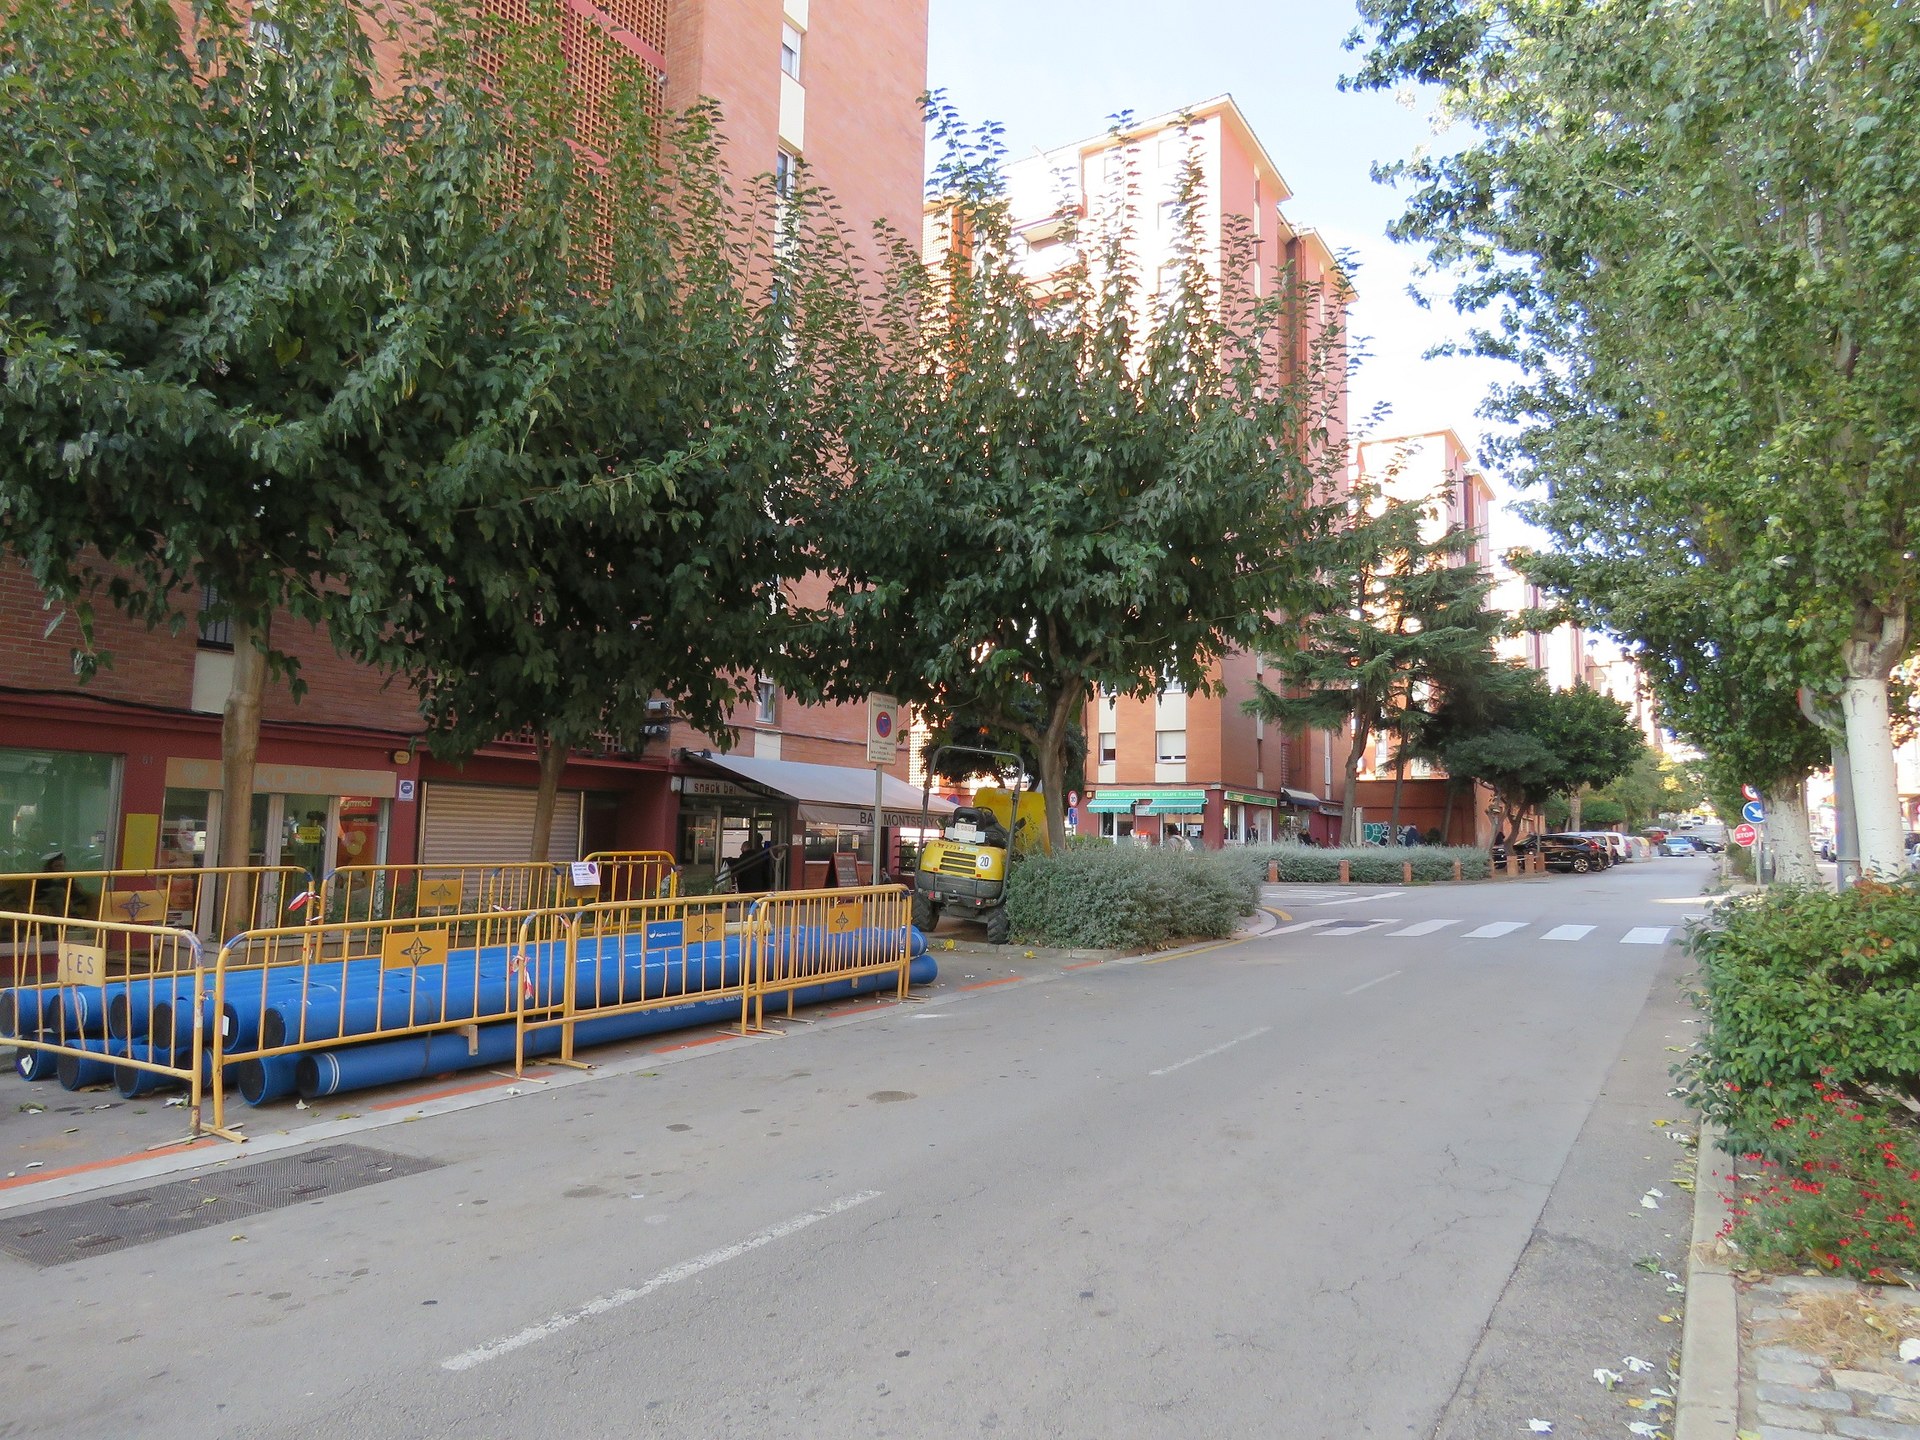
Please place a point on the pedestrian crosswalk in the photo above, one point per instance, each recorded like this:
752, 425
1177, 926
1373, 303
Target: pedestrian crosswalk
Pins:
1347, 927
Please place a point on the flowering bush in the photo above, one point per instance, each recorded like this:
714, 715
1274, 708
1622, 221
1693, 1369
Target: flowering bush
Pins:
1844, 1198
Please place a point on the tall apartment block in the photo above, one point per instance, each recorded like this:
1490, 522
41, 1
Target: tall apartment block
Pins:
1194, 766
124, 770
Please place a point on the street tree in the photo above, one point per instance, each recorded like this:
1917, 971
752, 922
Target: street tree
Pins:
222, 270
1059, 482
1409, 622
1691, 224
607, 469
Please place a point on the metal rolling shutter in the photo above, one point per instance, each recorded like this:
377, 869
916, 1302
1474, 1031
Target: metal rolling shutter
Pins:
492, 825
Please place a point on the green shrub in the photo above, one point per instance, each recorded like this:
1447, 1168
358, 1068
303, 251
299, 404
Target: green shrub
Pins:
1127, 897
1366, 864
1804, 988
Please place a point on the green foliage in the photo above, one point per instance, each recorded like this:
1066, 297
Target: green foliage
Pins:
1366, 864
1128, 897
1804, 987
1081, 485
1692, 226
1543, 742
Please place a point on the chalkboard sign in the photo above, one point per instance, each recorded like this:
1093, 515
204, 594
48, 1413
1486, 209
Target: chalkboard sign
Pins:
846, 869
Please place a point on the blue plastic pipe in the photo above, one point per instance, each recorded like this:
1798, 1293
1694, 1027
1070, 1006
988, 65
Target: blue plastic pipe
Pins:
36, 1064
79, 1072
357, 1067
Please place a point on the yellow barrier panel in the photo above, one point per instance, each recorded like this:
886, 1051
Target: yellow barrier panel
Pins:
812, 937
188, 898
636, 874
613, 959
278, 994
406, 892
97, 998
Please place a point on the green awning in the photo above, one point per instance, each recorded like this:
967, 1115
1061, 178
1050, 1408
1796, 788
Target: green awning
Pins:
1111, 802
1179, 802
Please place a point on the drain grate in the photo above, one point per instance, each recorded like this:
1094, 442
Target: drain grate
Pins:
62, 1234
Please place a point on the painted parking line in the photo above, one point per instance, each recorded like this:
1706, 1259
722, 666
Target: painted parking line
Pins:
1209, 1054
1646, 935
1568, 932
1496, 929
1422, 927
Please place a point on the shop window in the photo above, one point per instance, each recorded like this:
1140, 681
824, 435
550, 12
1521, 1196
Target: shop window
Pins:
57, 805
1109, 747
1170, 746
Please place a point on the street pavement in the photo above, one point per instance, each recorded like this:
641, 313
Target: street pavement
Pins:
1355, 1179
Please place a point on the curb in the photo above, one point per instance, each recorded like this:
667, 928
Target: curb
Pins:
1708, 1406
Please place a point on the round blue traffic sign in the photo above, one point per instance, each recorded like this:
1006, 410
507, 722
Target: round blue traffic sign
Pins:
1754, 813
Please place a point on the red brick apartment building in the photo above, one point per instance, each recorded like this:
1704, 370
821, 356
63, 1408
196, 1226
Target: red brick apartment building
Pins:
1196, 766
125, 770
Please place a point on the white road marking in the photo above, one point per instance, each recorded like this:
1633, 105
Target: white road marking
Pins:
1568, 932
1209, 1054
1355, 927
1305, 925
1495, 930
1356, 899
1646, 935
1422, 927
686, 1270
1378, 980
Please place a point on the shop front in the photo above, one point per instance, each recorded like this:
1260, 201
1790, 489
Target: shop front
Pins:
1151, 816
1250, 818
823, 816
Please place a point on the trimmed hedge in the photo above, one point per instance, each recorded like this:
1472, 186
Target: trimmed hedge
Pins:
1099, 896
1804, 988
1366, 864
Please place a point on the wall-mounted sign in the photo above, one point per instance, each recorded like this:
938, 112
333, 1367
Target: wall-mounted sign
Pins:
406, 790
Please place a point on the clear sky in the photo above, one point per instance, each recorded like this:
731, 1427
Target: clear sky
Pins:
1053, 71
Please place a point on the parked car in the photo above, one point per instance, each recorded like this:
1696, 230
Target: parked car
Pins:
1677, 845
1574, 853
1619, 847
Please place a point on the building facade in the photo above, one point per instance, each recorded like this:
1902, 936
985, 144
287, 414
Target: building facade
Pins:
1196, 768
124, 770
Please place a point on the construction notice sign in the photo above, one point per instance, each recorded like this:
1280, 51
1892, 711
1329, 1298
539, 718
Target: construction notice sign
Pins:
883, 729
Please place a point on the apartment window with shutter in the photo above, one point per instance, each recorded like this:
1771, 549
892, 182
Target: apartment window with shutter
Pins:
1170, 746
783, 162
1109, 747
790, 41
214, 634
766, 707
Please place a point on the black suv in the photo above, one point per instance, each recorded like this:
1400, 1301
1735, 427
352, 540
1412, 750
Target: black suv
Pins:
1575, 853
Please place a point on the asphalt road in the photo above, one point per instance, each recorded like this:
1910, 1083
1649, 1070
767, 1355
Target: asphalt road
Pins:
1337, 1181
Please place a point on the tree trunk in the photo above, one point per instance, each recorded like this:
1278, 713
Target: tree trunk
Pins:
1399, 784
1876, 799
1350, 788
1787, 829
239, 747
1446, 815
1050, 757
1573, 807
553, 760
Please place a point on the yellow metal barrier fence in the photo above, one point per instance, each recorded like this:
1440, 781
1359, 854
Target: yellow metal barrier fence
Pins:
611, 960
417, 892
188, 898
636, 874
813, 937
280, 994
97, 1022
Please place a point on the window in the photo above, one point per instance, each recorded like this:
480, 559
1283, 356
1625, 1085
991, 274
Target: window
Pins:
1109, 747
783, 167
214, 634
1170, 746
55, 803
790, 50
766, 707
